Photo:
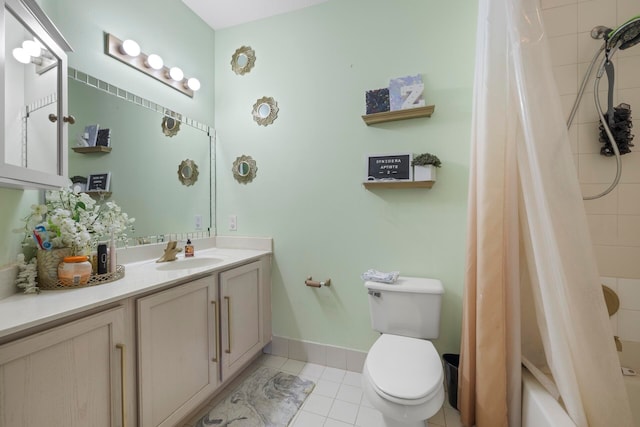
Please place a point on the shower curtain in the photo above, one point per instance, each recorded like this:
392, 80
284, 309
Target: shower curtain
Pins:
532, 290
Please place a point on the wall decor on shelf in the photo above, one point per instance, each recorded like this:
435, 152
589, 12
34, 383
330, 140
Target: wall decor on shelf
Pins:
424, 167
389, 167
265, 111
244, 169
403, 99
243, 60
99, 181
128, 51
188, 172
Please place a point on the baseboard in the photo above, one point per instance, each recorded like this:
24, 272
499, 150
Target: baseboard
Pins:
321, 354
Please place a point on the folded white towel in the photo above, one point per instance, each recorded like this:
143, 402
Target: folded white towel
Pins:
379, 276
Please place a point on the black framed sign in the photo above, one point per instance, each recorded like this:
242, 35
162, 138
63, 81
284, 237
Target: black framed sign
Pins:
396, 167
99, 181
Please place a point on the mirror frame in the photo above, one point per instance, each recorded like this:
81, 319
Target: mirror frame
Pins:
251, 60
166, 129
193, 177
250, 175
273, 113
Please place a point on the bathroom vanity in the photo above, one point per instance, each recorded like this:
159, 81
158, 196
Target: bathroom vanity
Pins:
146, 350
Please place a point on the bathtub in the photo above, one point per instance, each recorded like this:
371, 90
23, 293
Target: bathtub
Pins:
540, 409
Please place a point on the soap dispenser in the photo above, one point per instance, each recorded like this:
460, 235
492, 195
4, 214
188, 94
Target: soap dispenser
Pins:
189, 250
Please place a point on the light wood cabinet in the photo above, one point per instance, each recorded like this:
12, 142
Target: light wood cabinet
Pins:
177, 351
242, 333
68, 376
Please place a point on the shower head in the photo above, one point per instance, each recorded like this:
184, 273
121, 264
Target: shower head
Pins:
600, 31
626, 35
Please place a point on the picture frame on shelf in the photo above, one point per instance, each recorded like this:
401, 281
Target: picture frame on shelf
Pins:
389, 167
99, 182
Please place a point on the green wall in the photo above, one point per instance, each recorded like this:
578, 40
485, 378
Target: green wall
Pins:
317, 63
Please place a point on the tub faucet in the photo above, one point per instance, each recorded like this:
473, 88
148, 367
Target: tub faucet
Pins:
618, 343
170, 252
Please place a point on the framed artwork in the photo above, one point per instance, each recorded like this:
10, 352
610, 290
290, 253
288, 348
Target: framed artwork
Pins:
390, 167
99, 181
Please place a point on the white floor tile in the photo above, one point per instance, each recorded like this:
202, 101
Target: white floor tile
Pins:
312, 370
317, 404
308, 419
335, 423
352, 378
326, 388
438, 419
333, 374
365, 402
369, 417
349, 393
452, 417
272, 361
293, 366
343, 411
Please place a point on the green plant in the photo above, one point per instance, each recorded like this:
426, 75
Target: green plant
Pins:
425, 159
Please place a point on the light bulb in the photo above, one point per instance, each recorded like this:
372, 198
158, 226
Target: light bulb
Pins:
154, 61
32, 48
131, 48
176, 74
193, 84
21, 55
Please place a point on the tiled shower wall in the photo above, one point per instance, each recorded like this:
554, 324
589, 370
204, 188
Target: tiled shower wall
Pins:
614, 220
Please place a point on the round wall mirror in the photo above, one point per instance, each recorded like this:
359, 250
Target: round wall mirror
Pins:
244, 169
243, 60
265, 111
170, 126
188, 172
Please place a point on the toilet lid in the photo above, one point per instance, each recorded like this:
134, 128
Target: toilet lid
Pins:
404, 368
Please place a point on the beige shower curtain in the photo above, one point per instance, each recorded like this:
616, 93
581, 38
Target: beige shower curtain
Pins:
528, 242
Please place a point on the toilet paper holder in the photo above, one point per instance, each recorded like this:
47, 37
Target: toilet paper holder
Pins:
317, 284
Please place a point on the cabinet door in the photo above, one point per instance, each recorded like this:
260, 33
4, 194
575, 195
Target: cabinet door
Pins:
177, 353
241, 316
69, 376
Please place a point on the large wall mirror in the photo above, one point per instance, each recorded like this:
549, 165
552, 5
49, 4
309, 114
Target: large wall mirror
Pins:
143, 163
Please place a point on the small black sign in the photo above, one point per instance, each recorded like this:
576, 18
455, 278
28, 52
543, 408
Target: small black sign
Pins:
99, 182
389, 167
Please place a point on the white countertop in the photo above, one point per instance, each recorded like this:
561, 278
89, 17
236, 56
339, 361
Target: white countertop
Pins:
23, 311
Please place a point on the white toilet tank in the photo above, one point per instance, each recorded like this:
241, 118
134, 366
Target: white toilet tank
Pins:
409, 307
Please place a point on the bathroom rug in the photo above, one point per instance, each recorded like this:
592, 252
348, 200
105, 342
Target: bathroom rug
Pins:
266, 398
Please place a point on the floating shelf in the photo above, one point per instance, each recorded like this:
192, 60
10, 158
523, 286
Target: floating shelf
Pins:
392, 116
95, 149
370, 185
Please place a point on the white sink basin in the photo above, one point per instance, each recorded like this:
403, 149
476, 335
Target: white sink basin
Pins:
187, 263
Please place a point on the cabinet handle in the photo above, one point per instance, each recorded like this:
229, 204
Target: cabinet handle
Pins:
53, 118
123, 388
228, 351
215, 331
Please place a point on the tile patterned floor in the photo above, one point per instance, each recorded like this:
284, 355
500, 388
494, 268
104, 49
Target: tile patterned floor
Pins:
337, 399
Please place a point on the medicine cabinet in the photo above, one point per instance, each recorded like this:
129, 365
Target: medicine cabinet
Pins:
34, 117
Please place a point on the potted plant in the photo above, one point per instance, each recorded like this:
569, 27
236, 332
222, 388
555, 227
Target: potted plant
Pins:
424, 167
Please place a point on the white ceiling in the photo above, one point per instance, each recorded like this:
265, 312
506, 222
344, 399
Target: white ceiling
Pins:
227, 13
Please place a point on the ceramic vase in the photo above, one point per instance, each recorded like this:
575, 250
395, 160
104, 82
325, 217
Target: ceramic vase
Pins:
424, 173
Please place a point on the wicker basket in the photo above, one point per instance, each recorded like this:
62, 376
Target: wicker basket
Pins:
48, 262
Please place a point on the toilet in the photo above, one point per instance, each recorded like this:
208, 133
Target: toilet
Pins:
403, 375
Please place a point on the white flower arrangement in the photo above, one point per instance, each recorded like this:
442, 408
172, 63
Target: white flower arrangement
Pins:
76, 221
27, 273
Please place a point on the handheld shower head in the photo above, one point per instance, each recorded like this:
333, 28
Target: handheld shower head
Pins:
600, 31
626, 35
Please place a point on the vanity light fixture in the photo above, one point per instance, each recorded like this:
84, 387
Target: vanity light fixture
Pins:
34, 52
130, 48
129, 52
154, 61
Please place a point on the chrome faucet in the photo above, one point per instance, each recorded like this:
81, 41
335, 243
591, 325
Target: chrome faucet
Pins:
170, 252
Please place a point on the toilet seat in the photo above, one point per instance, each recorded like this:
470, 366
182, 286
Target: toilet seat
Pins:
404, 370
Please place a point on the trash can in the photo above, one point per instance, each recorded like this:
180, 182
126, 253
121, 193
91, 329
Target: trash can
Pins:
451, 363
